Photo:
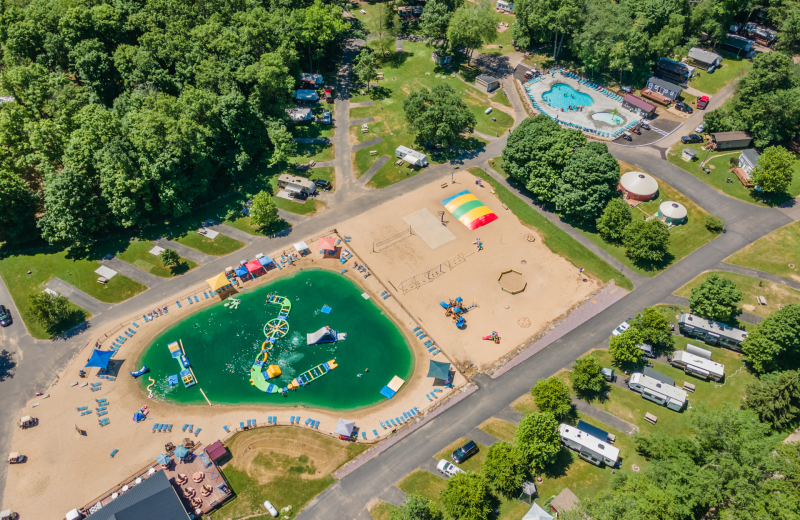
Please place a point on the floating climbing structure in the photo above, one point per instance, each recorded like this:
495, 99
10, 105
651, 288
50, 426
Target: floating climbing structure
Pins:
309, 375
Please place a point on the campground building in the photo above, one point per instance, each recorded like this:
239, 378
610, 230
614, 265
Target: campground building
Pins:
638, 106
748, 160
311, 81
737, 44
711, 332
411, 156
502, 5
661, 91
490, 83
704, 59
590, 442
731, 140
673, 71
660, 391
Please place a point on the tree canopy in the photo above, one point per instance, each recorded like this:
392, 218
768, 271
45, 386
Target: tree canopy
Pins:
504, 469
717, 298
129, 113
472, 25
263, 212
552, 395
417, 507
775, 398
654, 328
624, 347
775, 343
587, 375
438, 115
588, 182
537, 440
615, 218
466, 496
646, 242
774, 171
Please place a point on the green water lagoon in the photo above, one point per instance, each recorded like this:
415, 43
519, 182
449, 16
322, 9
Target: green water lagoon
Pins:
222, 344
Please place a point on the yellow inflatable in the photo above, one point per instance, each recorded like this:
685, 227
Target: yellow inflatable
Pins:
273, 371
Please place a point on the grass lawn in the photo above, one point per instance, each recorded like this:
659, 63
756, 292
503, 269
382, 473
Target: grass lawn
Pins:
500, 97
503, 430
317, 152
284, 465
525, 404
773, 253
503, 38
630, 406
314, 128
382, 511
405, 73
557, 240
138, 254
719, 164
497, 165
220, 246
732, 68
777, 295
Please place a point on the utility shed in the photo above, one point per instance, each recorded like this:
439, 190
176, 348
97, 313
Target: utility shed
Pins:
490, 83
731, 140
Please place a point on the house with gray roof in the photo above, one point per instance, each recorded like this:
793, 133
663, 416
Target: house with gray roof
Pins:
664, 87
703, 58
153, 498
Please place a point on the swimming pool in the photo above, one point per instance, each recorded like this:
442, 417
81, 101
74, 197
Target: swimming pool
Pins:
221, 345
608, 118
563, 96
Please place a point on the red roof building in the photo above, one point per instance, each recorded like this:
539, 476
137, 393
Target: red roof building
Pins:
216, 450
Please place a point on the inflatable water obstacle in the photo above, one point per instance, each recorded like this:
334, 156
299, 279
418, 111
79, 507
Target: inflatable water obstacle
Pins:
185, 375
139, 372
232, 303
309, 375
325, 335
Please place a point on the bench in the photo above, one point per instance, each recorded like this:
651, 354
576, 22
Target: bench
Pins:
689, 387
373, 152
761, 300
652, 419
444, 185
612, 438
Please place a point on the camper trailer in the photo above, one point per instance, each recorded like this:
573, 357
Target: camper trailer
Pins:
660, 393
711, 332
697, 366
590, 448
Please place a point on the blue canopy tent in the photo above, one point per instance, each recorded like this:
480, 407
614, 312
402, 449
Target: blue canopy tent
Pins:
138, 417
100, 359
265, 261
439, 370
241, 271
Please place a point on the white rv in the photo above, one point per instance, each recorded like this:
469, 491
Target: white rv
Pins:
697, 366
589, 447
411, 156
659, 392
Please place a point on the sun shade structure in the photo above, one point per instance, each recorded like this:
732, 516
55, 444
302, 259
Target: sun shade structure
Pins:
537, 513
439, 370
394, 385
240, 271
672, 212
300, 247
163, 459
327, 244
100, 359
265, 260
344, 428
512, 281
254, 266
638, 185
218, 282
181, 452
469, 210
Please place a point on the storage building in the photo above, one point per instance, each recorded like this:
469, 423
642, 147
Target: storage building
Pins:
660, 393
671, 213
411, 156
638, 105
306, 95
711, 332
589, 448
698, 366
704, 59
489, 82
748, 160
737, 44
731, 140
311, 81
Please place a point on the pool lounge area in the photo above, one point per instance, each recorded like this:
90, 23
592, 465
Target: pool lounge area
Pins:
576, 102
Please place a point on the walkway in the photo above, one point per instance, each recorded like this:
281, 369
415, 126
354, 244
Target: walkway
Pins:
761, 275
76, 296
231, 232
364, 179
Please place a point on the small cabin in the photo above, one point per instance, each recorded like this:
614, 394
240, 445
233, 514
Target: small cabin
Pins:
704, 59
711, 332
441, 59
306, 96
731, 140
748, 160
638, 105
664, 88
490, 83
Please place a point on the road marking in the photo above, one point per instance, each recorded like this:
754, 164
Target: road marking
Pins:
660, 131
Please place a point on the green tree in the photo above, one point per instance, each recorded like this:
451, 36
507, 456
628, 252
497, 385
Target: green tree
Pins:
588, 182
646, 242
775, 343
539, 20
773, 173
436, 16
438, 115
775, 398
48, 310
364, 67
654, 328
624, 347
417, 507
504, 469
466, 496
714, 223
587, 375
537, 440
169, 257
615, 218
263, 211
552, 395
717, 299
473, 25
17, 211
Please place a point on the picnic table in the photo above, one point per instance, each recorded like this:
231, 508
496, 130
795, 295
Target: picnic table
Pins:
652, 419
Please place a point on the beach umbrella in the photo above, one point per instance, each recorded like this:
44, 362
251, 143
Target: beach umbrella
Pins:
163, 459
100, 359
181, 452
439, 370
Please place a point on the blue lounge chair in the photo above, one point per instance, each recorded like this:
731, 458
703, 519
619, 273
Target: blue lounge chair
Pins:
100, 414
191, 427
196, 299
134, 324
254, 422
241, 424
185, 426
393, 423
95, 388
146, 319
113, 453
405, 415
128, 334
205, 294
155, 427
248, 423
308, 421
96, 384
102, 409
383, 425
190, 299
225, 427
82, 408
316, 425
415, 329
86, 412
178, 304
364, 435
197, 432
398, 420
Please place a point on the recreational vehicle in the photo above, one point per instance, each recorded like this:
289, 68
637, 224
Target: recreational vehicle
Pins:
660, 393
590, 448
711, 332
697, 366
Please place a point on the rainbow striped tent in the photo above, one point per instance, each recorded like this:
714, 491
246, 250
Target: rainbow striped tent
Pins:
469, 210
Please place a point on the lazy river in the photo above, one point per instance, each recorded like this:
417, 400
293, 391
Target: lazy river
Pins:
221, 345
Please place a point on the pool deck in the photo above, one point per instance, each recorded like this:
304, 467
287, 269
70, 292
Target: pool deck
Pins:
602, 103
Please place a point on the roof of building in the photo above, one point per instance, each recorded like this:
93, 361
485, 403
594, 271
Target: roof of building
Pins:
306, 94
738, 42
709, 366
216, 449
673, 66
649, 372
691, 152
703, 56
306, 77
564, 501
292, 179
665, 84
712, 326
639, 183
153, 498
739, 135
600, 446
638, 103
672, 209
654, 386
751, 155
486, 79
298, 113
417, 156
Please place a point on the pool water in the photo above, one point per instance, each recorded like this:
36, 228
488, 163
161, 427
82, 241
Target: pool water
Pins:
608, 118
563, 96
222, 344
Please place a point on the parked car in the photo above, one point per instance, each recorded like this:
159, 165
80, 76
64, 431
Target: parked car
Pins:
326, 117
622, 328
323, 184
636, 130
448, 469
608, 374
644, 125
702, 102
627, 137
700, 127
5, 316
464, 452
648, 350
269, 507
328, 95
528, 74
691, 138
683, 107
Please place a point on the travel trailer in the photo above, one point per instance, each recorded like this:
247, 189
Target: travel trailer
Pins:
660, 393
711, 332
590, 448
697, 366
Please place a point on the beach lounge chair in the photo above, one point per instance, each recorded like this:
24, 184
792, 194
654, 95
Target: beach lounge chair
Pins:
184, 427
415, 329
146, 319
191, 427
225, 427
197, 432
103, 400
205, 294
113, 453
424, 335
398, 420
169, 427
100, 414
102, 409
375, 433
155, 427
241, 424
96, 384
254, 423
82, 408
383, 425
128, 334
405, 415
95, 388
190, 299
316, 425
393, 423
196, 299
248, 423
85, 412
364, 435
178, 304
308, 421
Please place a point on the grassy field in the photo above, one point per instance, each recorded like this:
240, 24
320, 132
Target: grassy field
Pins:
500, 97
503, 430
719, 164
773, 253
503, 38
525, 404
382, 511
473, 463
138, 254
284, 465
497, 165
556, 240
777, 295
684, 239
409, 72
732, 68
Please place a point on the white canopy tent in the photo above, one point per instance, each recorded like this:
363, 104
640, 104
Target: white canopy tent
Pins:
537, 513
301, 246
344, 428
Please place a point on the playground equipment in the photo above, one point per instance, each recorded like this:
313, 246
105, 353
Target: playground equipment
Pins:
494, 336
149, 392
512, 281
325, 335
232, 303
455, 309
